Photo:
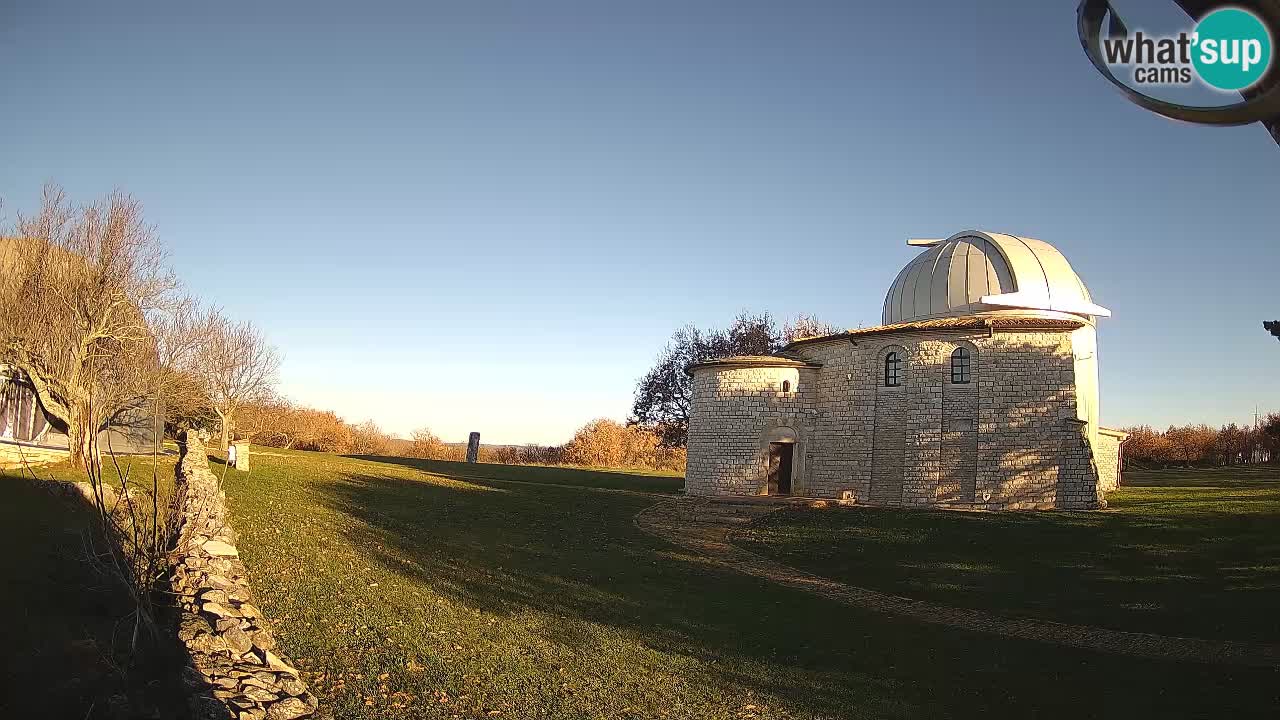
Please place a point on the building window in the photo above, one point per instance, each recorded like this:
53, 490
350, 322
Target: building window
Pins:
961, 366
892, 370
786, 386
21, 417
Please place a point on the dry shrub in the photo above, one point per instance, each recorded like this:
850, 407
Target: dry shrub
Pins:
1200, 444
605, 443
277, 423
427, 445
368, 439
599, 443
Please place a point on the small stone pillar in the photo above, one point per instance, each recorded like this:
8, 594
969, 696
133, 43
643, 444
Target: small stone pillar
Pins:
473, 447
242, 455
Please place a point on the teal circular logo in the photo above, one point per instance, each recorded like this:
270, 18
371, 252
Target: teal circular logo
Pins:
1232, 49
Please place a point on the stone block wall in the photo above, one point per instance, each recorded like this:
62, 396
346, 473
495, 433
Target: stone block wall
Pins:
735, 410
1009, 439
237, 670
1029, 441
958, 455
15, 455
843, 436
1107, 456
889, 444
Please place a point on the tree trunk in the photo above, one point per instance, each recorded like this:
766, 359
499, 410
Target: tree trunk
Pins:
80, 444
225, 421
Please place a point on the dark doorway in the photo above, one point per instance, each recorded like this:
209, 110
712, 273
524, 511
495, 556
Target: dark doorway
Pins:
780, 468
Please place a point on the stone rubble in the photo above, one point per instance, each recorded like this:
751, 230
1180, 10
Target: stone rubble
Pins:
237, 670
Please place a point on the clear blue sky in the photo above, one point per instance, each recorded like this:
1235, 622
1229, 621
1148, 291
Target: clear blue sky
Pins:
490, 216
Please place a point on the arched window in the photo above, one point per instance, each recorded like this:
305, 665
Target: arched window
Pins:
786, 386
892, 370
961, 366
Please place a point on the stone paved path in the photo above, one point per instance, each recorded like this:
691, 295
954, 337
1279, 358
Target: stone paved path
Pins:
706, 526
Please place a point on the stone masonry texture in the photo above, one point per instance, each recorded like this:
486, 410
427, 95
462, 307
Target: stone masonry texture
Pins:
1108, 454
1008, 439
236, 671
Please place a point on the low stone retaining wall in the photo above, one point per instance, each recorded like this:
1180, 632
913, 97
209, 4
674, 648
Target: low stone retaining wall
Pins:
16, 455
236, 668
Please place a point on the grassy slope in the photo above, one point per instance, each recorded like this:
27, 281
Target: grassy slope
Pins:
66, 629
1184, 552
468, 591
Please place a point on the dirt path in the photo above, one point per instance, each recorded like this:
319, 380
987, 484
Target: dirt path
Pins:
706, 526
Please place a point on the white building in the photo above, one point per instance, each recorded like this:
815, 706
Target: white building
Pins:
980, 389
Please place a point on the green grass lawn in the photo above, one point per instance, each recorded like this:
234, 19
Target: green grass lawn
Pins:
421, 589
1180, 552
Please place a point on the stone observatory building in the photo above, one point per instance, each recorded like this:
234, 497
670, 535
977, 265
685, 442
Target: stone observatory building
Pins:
979, 389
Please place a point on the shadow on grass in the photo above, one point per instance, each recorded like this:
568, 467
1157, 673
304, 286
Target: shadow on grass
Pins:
508, 549
610, 479
1256, 475
67, 628
1260, 476
1181, 553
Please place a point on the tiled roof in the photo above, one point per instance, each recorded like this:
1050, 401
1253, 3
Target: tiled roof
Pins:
757, 361
965, 322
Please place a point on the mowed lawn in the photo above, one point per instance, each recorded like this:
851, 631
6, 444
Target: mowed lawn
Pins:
413, 589
1194, 553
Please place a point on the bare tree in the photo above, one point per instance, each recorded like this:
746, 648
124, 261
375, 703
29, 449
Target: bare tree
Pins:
236, 365
806, 326
273, 422
180, 333
78, 287
88, 317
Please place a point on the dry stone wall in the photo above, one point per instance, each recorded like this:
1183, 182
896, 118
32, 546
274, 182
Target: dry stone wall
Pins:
237, 670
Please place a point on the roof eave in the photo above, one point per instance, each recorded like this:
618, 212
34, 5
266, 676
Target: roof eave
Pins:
956, 324
763, 361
